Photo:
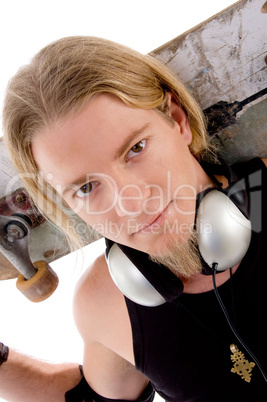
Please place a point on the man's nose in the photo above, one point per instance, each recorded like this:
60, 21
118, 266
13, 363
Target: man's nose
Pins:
131, 199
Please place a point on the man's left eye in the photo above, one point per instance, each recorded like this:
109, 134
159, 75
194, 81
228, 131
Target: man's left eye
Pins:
136, 149
86, 189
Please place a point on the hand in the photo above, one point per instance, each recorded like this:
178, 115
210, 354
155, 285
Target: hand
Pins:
3, 353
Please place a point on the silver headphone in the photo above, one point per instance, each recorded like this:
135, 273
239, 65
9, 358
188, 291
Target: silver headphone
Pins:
224, 235
130, 280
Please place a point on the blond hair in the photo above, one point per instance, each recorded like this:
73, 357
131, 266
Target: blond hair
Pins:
61, 79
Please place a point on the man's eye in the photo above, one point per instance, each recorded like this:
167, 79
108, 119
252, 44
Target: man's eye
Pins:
85, 189
136, 149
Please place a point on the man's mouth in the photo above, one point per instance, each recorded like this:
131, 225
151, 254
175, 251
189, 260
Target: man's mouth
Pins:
154, 223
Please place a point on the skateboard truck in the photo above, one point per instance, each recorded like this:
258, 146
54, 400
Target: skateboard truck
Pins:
37, 281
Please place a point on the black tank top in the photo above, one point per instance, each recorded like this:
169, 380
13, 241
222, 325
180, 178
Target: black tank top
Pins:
183, 346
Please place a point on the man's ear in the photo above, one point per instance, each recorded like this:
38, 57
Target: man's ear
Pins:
178, 115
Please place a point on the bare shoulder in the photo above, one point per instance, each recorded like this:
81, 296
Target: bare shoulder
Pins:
264, 160
95, 294
92, 281
102, 319
100, 311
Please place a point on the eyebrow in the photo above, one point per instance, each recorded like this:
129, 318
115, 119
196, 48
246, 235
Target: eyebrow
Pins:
122, 149
129, 140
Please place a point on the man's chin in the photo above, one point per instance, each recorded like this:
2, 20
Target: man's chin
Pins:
181, 256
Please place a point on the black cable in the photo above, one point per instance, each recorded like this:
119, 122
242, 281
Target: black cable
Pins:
254, 358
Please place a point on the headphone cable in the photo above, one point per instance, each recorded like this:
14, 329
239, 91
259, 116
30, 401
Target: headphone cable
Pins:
225, 312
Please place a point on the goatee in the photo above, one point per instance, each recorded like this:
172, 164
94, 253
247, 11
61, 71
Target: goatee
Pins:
181, 256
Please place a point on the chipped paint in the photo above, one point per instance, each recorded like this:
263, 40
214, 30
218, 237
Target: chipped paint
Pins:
247, 138
224, 60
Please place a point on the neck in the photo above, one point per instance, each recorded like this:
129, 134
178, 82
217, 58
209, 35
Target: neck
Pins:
199, 283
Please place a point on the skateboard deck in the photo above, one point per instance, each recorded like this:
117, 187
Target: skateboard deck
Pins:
223, 62
26, 238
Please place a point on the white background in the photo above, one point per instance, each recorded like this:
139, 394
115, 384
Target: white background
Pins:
47, 330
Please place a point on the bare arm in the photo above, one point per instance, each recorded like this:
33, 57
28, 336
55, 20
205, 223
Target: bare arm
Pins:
100, 313
101, 317
110, 375
23, 378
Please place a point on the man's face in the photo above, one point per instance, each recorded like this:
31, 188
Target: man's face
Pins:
127, 172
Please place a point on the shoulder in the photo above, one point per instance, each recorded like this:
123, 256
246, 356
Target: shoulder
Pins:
99, 310
92, 281
102, 319
94, 295
264, 160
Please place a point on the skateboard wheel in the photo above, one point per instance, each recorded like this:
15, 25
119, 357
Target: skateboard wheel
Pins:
41, 285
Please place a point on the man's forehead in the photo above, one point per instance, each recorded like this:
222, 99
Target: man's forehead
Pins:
81, 145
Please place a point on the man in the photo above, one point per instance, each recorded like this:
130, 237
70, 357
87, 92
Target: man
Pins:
117, 138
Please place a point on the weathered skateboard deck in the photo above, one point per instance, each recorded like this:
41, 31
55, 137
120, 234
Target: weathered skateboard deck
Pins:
223, 62
27, 241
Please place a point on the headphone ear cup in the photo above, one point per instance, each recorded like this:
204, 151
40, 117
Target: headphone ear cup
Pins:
130, 280
224, 233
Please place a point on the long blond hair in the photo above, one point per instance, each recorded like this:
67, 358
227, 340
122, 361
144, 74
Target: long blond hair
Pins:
61, 79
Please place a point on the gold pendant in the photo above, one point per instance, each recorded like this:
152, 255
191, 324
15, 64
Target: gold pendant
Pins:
242, 366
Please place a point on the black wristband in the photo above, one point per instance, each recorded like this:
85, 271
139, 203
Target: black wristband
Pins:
4, 350
84, 393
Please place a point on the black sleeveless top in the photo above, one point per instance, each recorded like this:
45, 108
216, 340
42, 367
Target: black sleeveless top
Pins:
183, 346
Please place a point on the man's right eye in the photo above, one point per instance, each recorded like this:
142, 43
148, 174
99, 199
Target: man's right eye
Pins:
85, 189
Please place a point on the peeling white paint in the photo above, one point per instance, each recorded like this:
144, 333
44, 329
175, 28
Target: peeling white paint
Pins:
224, 58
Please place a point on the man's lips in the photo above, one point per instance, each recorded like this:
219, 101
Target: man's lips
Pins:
155, 222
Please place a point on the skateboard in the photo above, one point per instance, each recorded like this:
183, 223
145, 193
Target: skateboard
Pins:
28, 243
223, 62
